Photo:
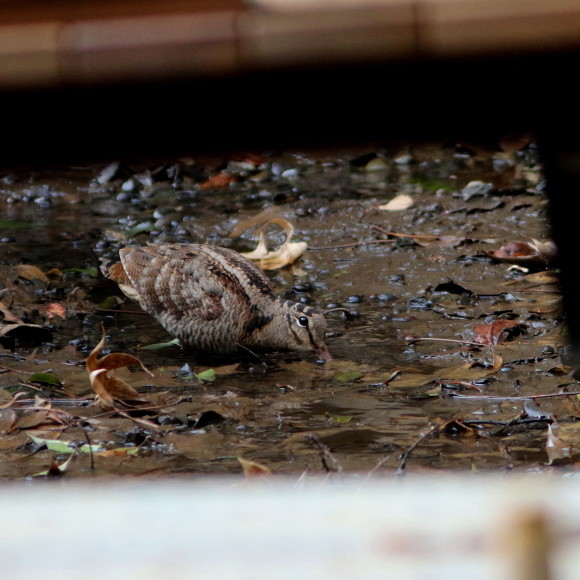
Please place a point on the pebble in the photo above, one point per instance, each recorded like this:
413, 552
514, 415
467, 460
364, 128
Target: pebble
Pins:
476, 189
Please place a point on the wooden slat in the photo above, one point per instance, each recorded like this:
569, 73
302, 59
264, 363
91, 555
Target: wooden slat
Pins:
141, 48
99, 42
322, 34
484, 27
476, 527
26, 11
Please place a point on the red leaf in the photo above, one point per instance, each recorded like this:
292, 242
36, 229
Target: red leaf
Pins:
218, 181
497, 331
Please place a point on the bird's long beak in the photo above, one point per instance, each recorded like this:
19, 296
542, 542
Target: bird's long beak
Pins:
323, 353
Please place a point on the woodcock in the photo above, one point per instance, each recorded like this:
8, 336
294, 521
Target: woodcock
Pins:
215, 300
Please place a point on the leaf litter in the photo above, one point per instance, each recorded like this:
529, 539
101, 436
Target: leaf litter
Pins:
438, 341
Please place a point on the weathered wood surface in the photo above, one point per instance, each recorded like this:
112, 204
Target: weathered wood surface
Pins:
63, 43
477, 527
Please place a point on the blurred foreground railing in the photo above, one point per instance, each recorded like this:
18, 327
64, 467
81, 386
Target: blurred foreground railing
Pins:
476, 527
63, 43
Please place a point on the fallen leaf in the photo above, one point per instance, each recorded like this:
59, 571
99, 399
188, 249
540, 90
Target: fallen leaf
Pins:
555, 448
55, 469
533, 253
109, 388
59, 446
449, 241
218, 181
345, 376
253, 469
8, 316
452, 288
54, 274
45, 379
160, 345
457, 426
208, 375
255, 221
41, 417
54, 309
497, 331
30, 272
469, 371
398, 203
287, 253
12, 401
26, 335
426, 240
118, 452
90, 271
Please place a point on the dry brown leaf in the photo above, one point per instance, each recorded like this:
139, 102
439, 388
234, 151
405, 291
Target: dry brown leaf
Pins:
218, 181
532, 253
12, 401
555, 447
54, 309
54, 274
253, 469
30, 272
287, 253
41, 417
449, 241
8, 316
469, 371
256, 221
110, 388
497, 331
23, 334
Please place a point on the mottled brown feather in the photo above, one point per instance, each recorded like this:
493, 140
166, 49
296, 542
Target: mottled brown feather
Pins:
216, 300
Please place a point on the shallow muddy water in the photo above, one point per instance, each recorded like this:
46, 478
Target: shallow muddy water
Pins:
389, 400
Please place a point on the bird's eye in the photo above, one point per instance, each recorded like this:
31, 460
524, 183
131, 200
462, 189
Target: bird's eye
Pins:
302, 321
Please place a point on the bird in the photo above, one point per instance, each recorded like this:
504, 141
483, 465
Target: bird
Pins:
215, 300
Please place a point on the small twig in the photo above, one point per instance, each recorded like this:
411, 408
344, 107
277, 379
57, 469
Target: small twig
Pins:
89, 444
433, 430
329, 462
465, 384
517, 398
46, 410
260, 360
115, 311
142, 422
520, 421
398, 235
338, 308
5, 369
413, 339
23, 403
352, 245
502, 424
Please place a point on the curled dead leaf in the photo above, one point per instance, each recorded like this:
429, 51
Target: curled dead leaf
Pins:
253, 469
12, 401
555, 447
497, 331
30, 272
532, 253
54, 309
218, 181
109, 388
255, 220
8, 315
398, 203
286, 254
41, 417
23, 334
